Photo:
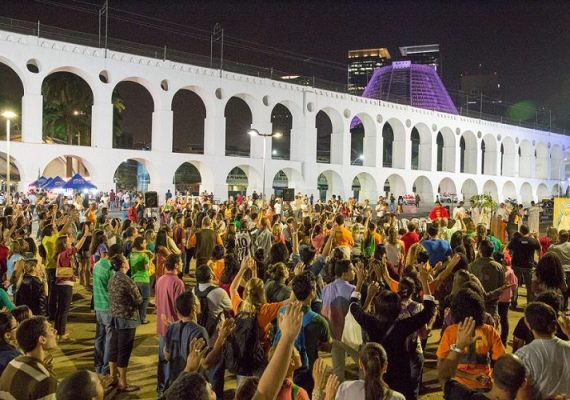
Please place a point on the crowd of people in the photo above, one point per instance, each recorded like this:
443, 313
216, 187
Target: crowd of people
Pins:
281, 295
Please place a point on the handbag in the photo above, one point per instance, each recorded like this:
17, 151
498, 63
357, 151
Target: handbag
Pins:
352, 332
151, 268
64, 272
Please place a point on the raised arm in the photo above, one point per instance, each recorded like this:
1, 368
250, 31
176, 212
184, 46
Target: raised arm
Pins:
239, 276
274, 375
447, 367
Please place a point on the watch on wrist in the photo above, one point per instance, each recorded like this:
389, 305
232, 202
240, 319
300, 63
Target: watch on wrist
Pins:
456, 349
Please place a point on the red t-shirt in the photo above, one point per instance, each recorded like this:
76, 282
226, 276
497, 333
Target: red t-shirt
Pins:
409, 239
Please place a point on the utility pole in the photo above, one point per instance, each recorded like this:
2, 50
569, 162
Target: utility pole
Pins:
217, 34
104, 10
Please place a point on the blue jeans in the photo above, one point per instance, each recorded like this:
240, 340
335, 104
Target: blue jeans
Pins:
103, 337
145, 293
162, 367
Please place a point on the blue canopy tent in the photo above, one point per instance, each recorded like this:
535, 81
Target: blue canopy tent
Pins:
39, 182
77, 182
55, 183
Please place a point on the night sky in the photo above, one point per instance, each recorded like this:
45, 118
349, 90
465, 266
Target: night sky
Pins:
527, 43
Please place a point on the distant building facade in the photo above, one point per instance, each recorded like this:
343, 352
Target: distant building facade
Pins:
361, 66
427, 54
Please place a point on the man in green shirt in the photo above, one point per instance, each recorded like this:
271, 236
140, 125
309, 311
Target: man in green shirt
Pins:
102, 273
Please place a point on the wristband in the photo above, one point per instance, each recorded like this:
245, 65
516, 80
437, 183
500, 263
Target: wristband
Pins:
455, 349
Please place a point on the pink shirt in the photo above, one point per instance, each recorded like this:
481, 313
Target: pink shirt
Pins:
510, 278
168, 288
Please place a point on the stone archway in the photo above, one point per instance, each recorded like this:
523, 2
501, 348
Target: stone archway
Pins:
422, 186
133, 175
526, 193
469, 189
187, 179
330, 183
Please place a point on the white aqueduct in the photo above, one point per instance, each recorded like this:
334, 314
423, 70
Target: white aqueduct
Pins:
475, 156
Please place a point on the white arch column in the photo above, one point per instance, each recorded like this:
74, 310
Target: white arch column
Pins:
491, 162
32, 110
400, 143
214, 128
372, 146
425, 161
162, 123
102, 124
340, 145
478, 155
457, 151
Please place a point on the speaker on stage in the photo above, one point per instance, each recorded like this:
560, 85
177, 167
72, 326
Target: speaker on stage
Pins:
151, 200
288, 194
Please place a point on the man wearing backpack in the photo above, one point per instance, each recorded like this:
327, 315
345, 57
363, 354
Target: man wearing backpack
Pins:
168, 288
314, 334
214, 303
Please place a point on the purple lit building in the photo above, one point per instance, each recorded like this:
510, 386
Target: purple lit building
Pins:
412, 84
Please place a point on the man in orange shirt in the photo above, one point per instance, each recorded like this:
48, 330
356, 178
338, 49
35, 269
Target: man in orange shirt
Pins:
343, 237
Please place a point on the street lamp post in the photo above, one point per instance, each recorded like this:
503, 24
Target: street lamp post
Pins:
9, 115
255, 132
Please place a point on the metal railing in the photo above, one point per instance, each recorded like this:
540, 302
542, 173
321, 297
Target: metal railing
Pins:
165, 53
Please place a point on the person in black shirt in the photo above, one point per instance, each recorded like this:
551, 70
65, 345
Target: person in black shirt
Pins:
522, 334
384, 328
523, 248
507, 378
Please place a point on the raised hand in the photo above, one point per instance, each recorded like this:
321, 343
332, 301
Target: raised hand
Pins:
465, 333
226, 328
196, 354
290, 322
332, 387
373, 289
319, 373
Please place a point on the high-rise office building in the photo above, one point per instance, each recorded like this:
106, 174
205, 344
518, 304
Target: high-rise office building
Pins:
361, 66
427, 54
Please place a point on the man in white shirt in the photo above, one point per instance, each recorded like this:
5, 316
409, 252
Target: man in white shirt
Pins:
534, 217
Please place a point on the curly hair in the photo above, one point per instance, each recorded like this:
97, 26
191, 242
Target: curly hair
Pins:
549, 271
467, 303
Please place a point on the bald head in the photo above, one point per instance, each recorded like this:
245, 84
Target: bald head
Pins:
509, 373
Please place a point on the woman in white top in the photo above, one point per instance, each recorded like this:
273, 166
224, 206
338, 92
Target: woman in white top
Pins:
374, 363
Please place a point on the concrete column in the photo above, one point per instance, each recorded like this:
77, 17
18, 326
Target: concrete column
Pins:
479, 157
162, 130
301, 145
32, 112
340, 148
102, 125
372, 151
491, 162
425, 155
457, 152
215, 130
401, 154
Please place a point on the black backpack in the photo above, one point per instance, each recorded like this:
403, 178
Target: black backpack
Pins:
205, 318
243, 353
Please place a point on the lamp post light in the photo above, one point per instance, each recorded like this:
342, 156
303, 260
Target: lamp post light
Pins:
360, 157
9, 115
255, 132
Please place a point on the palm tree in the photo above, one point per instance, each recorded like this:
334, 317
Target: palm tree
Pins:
67, 111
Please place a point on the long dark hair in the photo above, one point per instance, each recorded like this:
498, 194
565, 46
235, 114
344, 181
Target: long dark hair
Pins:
96, 240
374, 359
161, 238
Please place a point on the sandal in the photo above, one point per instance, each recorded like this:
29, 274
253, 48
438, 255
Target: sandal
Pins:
128, 389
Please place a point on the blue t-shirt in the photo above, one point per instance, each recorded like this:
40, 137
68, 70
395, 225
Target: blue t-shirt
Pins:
437, 249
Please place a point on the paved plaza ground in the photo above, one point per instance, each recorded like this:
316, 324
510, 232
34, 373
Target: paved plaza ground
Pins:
142, 367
